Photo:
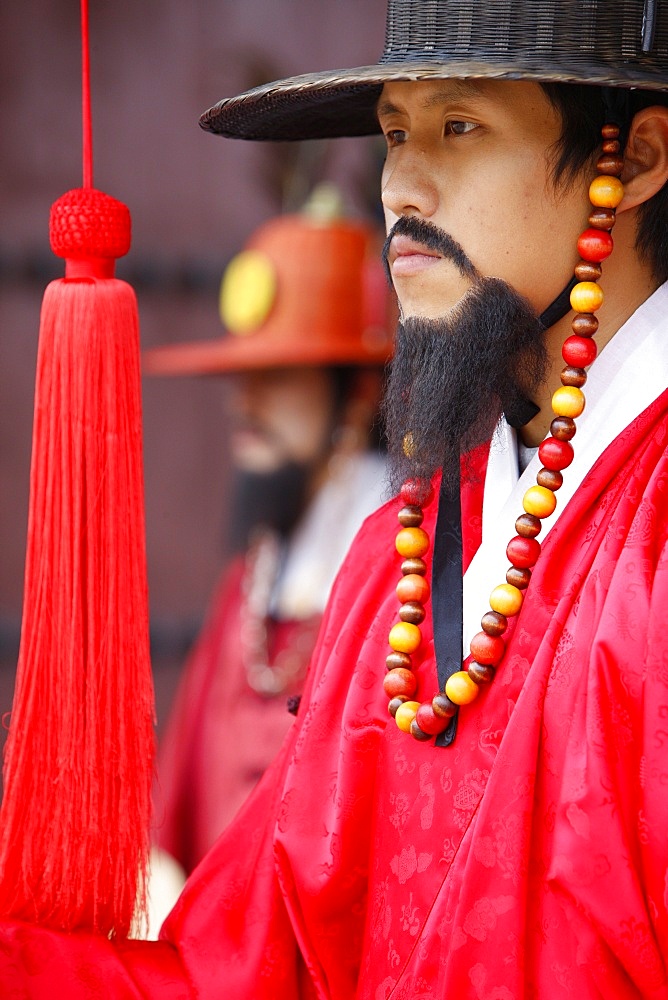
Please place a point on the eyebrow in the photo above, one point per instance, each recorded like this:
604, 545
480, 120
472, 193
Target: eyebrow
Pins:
451, 89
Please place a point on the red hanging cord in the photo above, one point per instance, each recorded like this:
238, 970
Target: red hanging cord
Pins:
87, 121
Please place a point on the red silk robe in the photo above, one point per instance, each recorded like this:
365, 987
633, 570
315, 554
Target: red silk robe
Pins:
529, 860
222, 735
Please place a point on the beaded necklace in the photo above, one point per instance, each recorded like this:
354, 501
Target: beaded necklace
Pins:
429, 719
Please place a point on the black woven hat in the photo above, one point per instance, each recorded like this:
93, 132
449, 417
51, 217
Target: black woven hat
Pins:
620, 43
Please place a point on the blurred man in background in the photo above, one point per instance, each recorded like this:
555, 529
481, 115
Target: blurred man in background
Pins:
306, 308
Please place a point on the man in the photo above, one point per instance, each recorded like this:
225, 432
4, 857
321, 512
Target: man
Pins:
527, 857
301, 423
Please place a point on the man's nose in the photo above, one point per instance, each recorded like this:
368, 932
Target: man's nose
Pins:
408, 185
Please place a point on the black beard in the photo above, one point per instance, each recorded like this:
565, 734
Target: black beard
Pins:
452, 378
273, 500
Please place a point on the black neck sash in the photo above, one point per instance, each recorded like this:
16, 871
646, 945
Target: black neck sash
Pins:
447, 593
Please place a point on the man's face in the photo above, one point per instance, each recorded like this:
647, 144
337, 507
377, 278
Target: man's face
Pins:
473, 158
279, 418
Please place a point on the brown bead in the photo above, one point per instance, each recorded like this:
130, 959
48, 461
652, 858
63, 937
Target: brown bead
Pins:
519, 578
586, 271
442, 706
481, 673
414, 565
602, 218
610, 146
563, 428
584, 324
610, 132
413, 612
395, 703
410, 516
573, 376
528, 525
494, 623
418, 733
610, 165
396, 659
550, 479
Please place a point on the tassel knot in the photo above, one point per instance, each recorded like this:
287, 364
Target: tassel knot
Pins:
86, 223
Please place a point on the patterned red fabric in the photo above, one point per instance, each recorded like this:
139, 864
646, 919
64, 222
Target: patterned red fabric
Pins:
528, 860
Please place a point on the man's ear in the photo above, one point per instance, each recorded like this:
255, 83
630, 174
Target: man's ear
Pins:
645, 157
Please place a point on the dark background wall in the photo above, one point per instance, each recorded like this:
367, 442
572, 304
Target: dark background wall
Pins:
194, 199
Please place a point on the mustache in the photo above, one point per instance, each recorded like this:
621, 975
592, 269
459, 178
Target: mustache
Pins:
431, 236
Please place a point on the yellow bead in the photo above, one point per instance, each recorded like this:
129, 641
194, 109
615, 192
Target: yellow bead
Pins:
408, 444
506, 599
405, 715
606, 192
412, 542
405, 637
568, 401
539, 501
586, 297
461, 689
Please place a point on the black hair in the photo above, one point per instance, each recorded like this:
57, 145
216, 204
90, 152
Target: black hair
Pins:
582, 110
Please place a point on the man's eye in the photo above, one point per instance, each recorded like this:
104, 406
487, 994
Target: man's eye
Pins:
395, 137
459, 128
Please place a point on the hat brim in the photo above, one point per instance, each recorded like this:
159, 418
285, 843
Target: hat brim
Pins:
231, 354
341, 103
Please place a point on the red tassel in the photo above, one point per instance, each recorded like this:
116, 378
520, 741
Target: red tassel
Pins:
74, 823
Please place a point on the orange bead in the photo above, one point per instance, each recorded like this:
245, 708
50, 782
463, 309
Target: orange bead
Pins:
506, 599
405, 637
405, 715
606, 192
568, 401
461, 689
413, 588
412, 542
539, 501
586, 297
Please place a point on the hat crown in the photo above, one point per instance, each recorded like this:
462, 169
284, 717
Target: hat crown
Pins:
528, 34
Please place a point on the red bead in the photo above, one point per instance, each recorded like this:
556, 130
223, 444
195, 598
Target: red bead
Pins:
555, 454
520, 578
579, 351
494, 623
610, 131
528, 525
410, 516
595, 245
417, 492
487, 648
584, 324
428, 721
523, 552
610, 146
413, 587
400, 683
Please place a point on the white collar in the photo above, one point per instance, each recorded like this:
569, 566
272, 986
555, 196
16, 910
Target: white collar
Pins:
628, 375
